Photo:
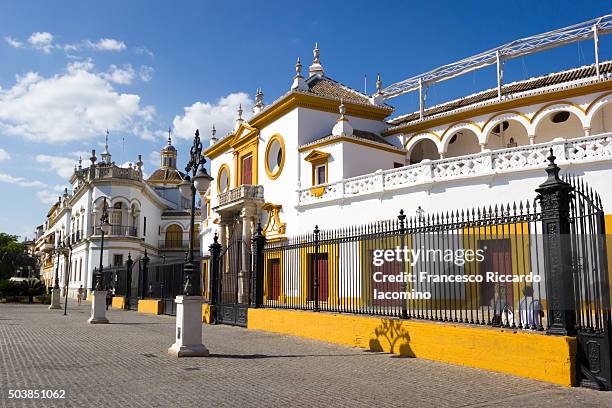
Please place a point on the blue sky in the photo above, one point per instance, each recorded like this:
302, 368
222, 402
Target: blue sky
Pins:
71, 69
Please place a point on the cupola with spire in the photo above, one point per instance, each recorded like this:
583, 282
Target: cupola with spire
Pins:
213, 135
342, 126
106, 156
378, 98
316, 68
298, 80
168, 154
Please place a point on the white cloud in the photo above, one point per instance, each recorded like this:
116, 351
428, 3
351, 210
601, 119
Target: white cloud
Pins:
146, 73
76, 105
63, 166
47, 196
141, 50
20, 181
122, 76
154, 158
4, 155
42, 41
106, 44
202, 115
13, 42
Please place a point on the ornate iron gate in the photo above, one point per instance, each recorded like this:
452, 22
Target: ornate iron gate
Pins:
591, 287
232, 285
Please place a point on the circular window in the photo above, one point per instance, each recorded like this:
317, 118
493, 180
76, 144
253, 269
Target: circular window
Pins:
560, 117
223, 179
275, 156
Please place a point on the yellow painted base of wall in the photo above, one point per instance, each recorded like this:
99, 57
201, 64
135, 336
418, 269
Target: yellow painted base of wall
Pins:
526, 354
153, 306
118, 302
207, 313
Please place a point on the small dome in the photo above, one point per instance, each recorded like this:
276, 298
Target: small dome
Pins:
169, 148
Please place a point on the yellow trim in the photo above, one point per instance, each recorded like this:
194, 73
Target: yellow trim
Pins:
318, 158
517, 113
548, 105
294, 100
207, 313
351, 140
317, 191
229, 178
274, 227
239, 155
501, 106
600, 97
467, 122
526, 354
279, 138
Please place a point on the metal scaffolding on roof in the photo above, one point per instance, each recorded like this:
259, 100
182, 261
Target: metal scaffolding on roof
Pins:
530, 45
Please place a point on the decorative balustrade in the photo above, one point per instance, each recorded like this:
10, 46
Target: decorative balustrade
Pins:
585, 149
117, 230
244, 192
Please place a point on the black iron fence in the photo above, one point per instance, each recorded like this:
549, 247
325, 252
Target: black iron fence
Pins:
538, 264
117, 230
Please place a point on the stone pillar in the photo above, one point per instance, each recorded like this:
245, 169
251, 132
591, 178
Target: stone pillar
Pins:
587, 131
98, 308
531, 139
55, 299
243, 275
188, 328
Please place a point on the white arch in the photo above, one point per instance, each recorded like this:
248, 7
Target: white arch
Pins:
597, 106
509, 116
450, 131
167, 224
120, 199
545, 111
422, 136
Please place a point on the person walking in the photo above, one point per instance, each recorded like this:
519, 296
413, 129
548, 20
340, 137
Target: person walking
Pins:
80, 295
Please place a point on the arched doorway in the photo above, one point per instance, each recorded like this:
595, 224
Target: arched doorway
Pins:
174, 236
424, 149
602, 120
562, 123
506, 134
461, 143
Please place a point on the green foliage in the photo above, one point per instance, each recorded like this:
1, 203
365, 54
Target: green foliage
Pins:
44, 299
10, 289
31, 288
10, 247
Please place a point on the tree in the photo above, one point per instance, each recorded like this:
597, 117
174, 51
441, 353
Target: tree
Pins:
10, 249
31, 288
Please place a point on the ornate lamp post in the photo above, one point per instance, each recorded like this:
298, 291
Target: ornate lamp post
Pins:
98, 305
189, 306
55, 291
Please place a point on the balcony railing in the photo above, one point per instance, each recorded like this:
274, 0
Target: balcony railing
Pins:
117, 230
76, 236
176, 244
580, 150
244, 192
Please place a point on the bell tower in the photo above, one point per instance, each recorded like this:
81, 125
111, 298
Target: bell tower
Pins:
168, 154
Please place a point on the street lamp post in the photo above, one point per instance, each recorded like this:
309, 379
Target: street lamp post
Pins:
69, 272
55, 291
98, 305
189, 306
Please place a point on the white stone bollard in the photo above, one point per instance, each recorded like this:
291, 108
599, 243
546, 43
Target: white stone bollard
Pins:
55, 299
98, 308
188, 328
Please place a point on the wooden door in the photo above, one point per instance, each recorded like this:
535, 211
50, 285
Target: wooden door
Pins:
323, 277
497, 259
247, 170
273, 279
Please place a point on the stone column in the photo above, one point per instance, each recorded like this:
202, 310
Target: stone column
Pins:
587, 131
98, 308
531, 139
243, 275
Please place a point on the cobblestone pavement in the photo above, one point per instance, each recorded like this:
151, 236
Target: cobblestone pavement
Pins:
125, 364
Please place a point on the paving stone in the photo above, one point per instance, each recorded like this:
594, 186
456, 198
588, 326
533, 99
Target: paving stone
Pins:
125, 364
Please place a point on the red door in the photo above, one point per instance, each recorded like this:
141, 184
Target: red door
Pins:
386, 269
247, 170
274, 279
497, 259
323, 278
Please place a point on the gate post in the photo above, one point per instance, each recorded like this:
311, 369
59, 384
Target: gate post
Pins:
554, 196
144, 275
259, 242
128, 281
404, 285
215, 253
315, 271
